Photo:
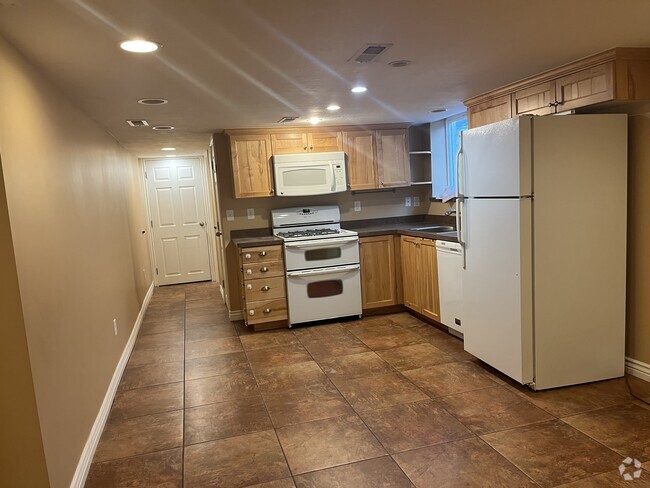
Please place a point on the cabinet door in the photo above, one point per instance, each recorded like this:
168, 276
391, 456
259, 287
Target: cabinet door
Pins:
289, 143
411, 272
378, 286
393, 166
535, 100
429, 295
324, 141
359, 145
251, 167
489, 112
586, 87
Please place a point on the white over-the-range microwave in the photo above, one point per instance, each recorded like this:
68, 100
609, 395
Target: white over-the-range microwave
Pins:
309, 173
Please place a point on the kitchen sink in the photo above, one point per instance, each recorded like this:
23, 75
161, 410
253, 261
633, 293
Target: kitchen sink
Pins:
434, 228
452, 233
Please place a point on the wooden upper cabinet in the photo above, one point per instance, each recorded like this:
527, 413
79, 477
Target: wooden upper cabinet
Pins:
393, 166
289, 142
251, 165
359, 145
300, 142
535, 100
324, 141
488, 112
378, 276
586, 87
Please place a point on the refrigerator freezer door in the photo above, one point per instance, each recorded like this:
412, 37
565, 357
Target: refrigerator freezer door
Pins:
497, 285
496, 159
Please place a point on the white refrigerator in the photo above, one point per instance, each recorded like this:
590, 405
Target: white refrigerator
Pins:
542, 205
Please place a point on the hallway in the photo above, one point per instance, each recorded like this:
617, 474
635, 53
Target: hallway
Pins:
384, 401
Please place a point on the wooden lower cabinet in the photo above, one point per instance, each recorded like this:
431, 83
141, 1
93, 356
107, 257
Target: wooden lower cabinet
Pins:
263, 287
378, 272
420, 276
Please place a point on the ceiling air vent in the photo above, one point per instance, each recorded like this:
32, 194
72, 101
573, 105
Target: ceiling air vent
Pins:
137, 123
287, 118
369, 53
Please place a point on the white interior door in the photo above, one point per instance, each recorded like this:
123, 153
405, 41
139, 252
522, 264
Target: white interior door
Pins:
175, 189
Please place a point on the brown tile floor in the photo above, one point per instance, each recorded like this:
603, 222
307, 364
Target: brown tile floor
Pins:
381, 402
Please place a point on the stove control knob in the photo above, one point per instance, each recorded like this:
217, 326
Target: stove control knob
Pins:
247, 256
249, 287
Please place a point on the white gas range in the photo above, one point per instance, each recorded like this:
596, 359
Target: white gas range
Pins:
322, 262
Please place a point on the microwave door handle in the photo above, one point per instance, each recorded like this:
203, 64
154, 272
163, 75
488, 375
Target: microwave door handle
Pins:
322, 242
323, 271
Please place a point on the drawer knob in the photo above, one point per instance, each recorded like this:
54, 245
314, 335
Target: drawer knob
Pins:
249, 271
249, 287
267, 310
263, 253
247, 256
252, 312
264, 269
265, 288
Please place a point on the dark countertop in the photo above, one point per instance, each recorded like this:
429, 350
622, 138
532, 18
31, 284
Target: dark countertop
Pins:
365, 228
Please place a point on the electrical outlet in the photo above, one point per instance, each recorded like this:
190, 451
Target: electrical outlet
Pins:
115, 326
250, 212
230, 215
407, 201
357, 206
416, 201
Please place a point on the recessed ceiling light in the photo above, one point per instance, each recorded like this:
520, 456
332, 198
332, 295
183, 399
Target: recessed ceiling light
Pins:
439, 110
359, 89
168, 149
163, 127
140, 46
400, 63
152, 101
333, 108
314, 120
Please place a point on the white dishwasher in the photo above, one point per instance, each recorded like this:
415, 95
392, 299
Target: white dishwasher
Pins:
450, 264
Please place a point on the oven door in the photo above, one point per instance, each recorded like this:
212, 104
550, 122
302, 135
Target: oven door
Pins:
325, 293
318, 253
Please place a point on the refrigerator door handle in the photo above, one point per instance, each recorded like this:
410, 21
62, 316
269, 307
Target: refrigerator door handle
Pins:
460, 198
460, 210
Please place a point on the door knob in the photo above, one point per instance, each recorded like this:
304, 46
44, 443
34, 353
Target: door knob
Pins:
202, 224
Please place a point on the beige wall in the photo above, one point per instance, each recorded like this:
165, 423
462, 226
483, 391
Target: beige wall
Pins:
638, 268
74, 205
373, 205
22, 461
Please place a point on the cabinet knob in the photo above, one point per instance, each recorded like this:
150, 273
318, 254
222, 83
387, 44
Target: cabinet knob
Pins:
304, 148
264, 269
247, 256
311, 148
267, 310
265, 288
252, 312
249, 271
263, 253
249, 287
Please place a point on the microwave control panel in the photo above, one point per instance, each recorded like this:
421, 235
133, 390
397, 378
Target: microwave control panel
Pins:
339, 176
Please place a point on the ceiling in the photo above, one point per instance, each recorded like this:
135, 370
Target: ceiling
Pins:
247, 63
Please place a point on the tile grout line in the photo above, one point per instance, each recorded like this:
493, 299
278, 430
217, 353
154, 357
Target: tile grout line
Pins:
183, 423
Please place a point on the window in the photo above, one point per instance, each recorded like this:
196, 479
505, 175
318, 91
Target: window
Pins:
453, 127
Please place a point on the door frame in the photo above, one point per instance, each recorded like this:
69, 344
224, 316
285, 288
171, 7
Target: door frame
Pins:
219, 250
142, 162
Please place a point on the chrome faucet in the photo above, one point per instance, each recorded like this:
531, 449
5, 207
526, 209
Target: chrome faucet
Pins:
450, 212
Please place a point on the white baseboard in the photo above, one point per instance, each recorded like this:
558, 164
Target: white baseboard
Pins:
236, 315
637, 368
80, 475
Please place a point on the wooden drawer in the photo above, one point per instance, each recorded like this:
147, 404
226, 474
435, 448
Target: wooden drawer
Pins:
264, 253
266, 311
267, 269
264, 289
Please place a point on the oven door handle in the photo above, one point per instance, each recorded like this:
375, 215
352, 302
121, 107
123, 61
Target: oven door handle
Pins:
322, 242
322, 271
